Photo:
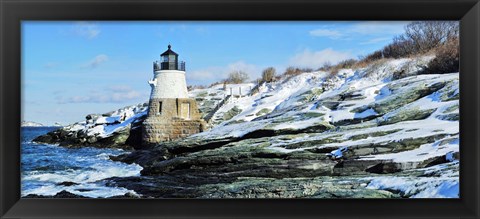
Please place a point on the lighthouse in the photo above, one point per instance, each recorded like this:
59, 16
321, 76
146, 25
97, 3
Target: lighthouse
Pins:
171, 113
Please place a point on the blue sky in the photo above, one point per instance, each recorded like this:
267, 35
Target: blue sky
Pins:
70, 69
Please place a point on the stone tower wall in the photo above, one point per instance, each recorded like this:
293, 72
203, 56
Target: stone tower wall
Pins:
173, 121
156, 131
172, 107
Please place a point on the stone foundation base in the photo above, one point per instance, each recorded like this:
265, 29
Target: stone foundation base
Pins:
159, 130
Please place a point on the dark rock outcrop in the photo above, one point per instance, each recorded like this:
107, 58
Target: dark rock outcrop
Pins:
62, 194
67, 183
129, 137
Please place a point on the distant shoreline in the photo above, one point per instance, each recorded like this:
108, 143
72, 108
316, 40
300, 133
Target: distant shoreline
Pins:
43, 126
37, 124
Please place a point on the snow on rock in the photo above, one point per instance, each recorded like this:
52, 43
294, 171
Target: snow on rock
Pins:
422, 153
104, 126
425, 188
353, 90
131, 117
208, 99
337, 154
444, 183
383, 112
107, 120
366, 113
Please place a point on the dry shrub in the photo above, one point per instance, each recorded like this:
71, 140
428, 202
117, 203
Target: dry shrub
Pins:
306, 70
447, 59
325, 67
361, 64
277, 78
216, 83
374, 65
348, 63
292, 71
333, 72
373, 56
236, 77
268, 75
420, 38
193, 87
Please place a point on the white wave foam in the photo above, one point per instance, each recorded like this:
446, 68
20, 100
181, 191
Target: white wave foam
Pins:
96, 168
82, 176
92, 190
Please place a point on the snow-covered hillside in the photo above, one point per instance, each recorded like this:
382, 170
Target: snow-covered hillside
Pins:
379, 127
212, 99
378, 131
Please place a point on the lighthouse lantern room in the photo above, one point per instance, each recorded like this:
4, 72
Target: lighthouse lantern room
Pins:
169, 61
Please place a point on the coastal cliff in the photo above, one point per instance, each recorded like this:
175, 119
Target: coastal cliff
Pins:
363, 132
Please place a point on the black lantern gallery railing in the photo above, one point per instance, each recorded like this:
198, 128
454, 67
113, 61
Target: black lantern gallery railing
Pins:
157, 66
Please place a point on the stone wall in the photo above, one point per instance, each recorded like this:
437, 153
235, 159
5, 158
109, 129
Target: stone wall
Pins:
171, 122
155, 131
171, 108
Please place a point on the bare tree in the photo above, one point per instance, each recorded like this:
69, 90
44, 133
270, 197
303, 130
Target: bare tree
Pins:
400, 47
426, 35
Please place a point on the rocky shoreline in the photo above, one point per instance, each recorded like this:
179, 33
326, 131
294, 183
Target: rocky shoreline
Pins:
377, 138
67, 194
238, 170
125, 125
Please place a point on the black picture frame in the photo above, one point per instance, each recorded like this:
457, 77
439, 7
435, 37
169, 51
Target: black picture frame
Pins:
12, 12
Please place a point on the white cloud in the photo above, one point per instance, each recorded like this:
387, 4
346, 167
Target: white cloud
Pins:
119, 88
208, 74
333, 34
366, 28
379, 27
114, 94
124, 96
315, 59
95, 62
86, 30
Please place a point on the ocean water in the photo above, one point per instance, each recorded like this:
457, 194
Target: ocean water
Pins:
44, 166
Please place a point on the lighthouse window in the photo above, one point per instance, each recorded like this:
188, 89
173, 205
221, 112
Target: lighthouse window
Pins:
160, 107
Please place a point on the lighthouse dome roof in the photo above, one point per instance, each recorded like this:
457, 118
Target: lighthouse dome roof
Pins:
169, 52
